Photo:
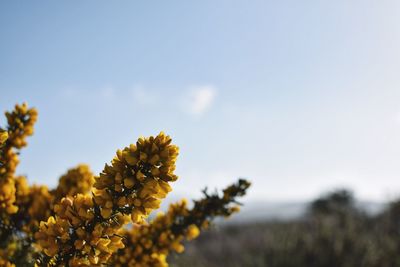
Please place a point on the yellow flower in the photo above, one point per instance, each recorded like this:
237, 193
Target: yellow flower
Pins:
84, 220
20, 125
172, 228
78, 180
192, 232
7, 196
133, 184
3, 137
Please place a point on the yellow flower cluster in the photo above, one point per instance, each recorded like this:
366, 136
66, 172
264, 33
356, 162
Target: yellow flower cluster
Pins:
3, 137
5, 263
39, 206
85, 229
35, 203
7, 186
137, 178
85, 220
74, 237
21, 121
7, 196
20, 125
78, 180
149, 245
4, 255
22, 191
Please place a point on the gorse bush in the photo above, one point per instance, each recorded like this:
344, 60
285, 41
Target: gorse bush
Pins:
99, 220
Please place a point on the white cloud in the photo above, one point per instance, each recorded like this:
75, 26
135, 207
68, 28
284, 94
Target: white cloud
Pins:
200, 99
195, 100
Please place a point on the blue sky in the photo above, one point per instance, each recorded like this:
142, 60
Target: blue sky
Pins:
298, 96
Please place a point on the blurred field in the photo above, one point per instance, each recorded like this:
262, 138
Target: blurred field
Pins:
333, 232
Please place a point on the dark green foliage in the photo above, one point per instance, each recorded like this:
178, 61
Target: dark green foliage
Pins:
334, 232
340, 201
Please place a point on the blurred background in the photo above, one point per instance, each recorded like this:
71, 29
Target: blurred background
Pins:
301, 97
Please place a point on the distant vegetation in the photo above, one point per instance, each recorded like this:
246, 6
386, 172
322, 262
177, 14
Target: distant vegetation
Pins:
333, 232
